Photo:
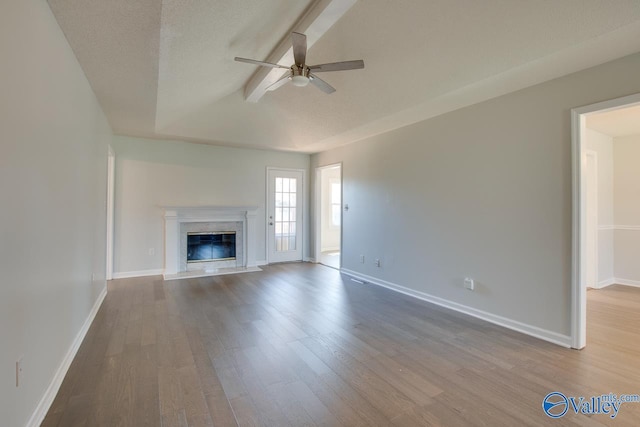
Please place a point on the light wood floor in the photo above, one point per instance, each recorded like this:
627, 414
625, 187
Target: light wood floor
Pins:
298, 344
330, 259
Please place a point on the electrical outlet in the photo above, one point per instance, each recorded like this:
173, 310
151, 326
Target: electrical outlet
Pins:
469, 283
362, 259
152, 251
19, 368
377, 262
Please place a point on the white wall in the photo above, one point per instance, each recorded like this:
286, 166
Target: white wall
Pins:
155, 173
603, 145
330, 233
484, 191
627, 208
53, 145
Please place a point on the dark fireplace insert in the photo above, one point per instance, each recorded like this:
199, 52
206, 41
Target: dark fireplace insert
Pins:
211, 246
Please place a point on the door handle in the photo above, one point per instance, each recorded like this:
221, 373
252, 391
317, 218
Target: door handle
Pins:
270, 223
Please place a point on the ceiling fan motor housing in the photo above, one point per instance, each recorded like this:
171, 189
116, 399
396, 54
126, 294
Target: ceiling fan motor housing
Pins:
300, 75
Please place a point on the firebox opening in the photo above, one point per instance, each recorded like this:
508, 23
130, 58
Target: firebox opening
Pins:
211, 246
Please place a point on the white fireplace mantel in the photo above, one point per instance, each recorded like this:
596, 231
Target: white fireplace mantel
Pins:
175, 215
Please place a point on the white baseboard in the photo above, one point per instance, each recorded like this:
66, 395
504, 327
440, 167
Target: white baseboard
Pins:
141, 273
619, 227
627, 282
534, 331
261, 262
309, 259
627, 227
47, 399
618, 281
607, 282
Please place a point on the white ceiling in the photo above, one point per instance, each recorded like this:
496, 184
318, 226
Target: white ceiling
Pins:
165, 69
616, 123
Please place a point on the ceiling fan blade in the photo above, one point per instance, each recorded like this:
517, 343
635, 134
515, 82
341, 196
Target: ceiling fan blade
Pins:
262, 63
321, 84
280, 82
299, 42
338, 66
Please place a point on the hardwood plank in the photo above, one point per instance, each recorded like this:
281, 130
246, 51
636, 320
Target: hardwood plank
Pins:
78, 411
321, 415
295, 412
170, 396
245, 412
375, 390
267, 410
344, 402
194, 403
106, 389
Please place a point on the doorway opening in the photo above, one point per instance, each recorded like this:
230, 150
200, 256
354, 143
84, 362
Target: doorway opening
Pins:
606, 214
329, 215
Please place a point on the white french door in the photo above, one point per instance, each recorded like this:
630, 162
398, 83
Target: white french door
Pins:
284, 215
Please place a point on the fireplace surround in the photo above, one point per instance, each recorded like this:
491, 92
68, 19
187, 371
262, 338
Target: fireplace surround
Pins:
182, 221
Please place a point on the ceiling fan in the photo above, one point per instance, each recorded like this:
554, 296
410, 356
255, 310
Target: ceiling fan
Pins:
300, 74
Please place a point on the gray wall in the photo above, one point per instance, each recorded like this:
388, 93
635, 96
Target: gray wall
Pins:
53, 156
484, 191
155, 173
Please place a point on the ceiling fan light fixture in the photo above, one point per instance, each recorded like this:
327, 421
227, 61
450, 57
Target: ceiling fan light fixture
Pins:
300, 81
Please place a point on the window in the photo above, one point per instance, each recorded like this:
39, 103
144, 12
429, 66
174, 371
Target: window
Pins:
336, 203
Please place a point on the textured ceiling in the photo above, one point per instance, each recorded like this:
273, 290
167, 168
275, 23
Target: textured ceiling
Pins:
165, 68
616, 123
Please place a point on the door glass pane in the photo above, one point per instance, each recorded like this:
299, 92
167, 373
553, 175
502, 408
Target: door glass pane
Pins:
292, 235
285, 214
